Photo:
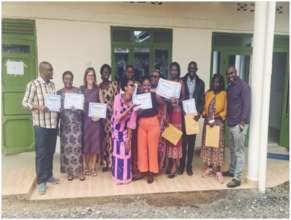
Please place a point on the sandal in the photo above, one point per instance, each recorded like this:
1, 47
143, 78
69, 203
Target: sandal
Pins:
87, 172
219, 177
207, 172
94, 173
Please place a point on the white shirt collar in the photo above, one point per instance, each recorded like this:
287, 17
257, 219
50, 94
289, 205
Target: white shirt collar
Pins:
41, 79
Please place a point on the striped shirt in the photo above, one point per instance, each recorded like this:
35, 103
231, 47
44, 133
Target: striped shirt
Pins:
35, 92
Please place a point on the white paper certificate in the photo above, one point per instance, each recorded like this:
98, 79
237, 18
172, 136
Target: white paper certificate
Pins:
74, 100
53, 102
168, 89
189, 106
144, 101
97, 110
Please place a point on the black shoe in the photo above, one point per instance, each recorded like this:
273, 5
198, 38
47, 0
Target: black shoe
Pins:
172, 175
233, 183
137, 176
227, 173
189, 172
150, 178
180, 170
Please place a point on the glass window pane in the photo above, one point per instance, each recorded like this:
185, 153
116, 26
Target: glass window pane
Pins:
141, 62
13, 48
162, 37
162, 61
121, 35
215, 62
121, 60
141, 36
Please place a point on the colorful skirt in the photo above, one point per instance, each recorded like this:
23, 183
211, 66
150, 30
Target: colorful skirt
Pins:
210, 155
175, 151
121, 163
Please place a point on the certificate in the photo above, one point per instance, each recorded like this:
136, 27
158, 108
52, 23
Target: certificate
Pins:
212, 136
144, 101
74, 100
191, 126
53, 102
189, 106
168, 89
97, 110
172, 134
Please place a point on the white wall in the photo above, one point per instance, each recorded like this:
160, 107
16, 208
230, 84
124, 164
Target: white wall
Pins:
73, 46
191, 44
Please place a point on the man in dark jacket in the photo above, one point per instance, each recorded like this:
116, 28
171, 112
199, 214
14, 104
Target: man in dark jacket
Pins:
194, 88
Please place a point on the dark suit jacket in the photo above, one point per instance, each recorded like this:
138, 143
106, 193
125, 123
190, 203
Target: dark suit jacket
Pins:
198, 92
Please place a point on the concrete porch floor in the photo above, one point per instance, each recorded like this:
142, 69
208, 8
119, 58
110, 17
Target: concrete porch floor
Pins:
18, 178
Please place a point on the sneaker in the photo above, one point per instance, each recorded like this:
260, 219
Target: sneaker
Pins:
227, 173
53, 180
233, 183
41, 188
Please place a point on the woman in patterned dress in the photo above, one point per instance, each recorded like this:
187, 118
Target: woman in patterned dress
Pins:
123, 123
70, 133
174, 152
107, 91
215, 111
92, 130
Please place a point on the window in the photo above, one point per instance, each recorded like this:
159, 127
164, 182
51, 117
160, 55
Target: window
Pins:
144, 48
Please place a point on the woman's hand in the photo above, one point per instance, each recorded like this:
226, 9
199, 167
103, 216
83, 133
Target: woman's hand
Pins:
95, 119
211, 123
127, 145
174, 101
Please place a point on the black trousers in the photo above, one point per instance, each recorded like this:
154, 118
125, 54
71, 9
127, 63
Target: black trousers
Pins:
188, 145
45, 146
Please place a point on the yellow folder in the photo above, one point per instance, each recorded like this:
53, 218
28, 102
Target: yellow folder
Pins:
172, 134
212, 136
191, 126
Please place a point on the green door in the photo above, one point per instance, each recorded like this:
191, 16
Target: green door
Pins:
18, 68
284, 131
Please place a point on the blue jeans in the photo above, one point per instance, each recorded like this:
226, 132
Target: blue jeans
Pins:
45, 145
237, 150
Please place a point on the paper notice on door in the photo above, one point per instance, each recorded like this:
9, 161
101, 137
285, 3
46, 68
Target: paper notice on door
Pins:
15, 67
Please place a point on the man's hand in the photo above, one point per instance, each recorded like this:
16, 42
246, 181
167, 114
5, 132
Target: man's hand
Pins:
196, 117
241, 125
41, 108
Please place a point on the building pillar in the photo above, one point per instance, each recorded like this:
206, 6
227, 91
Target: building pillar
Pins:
260, 82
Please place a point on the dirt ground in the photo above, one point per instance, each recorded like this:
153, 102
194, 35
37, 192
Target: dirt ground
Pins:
212, 204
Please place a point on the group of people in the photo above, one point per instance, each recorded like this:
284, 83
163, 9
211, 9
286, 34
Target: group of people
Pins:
128, 141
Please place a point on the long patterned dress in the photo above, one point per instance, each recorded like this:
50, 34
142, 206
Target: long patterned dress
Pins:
92, 133
210, 155
107, 94
162, 148
70, 138
175, 117
121, 159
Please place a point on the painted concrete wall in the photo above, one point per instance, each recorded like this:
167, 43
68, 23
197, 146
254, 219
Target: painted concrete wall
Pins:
76, 35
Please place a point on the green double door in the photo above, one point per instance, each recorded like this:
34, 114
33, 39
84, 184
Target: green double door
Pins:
279, 97
18, 68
